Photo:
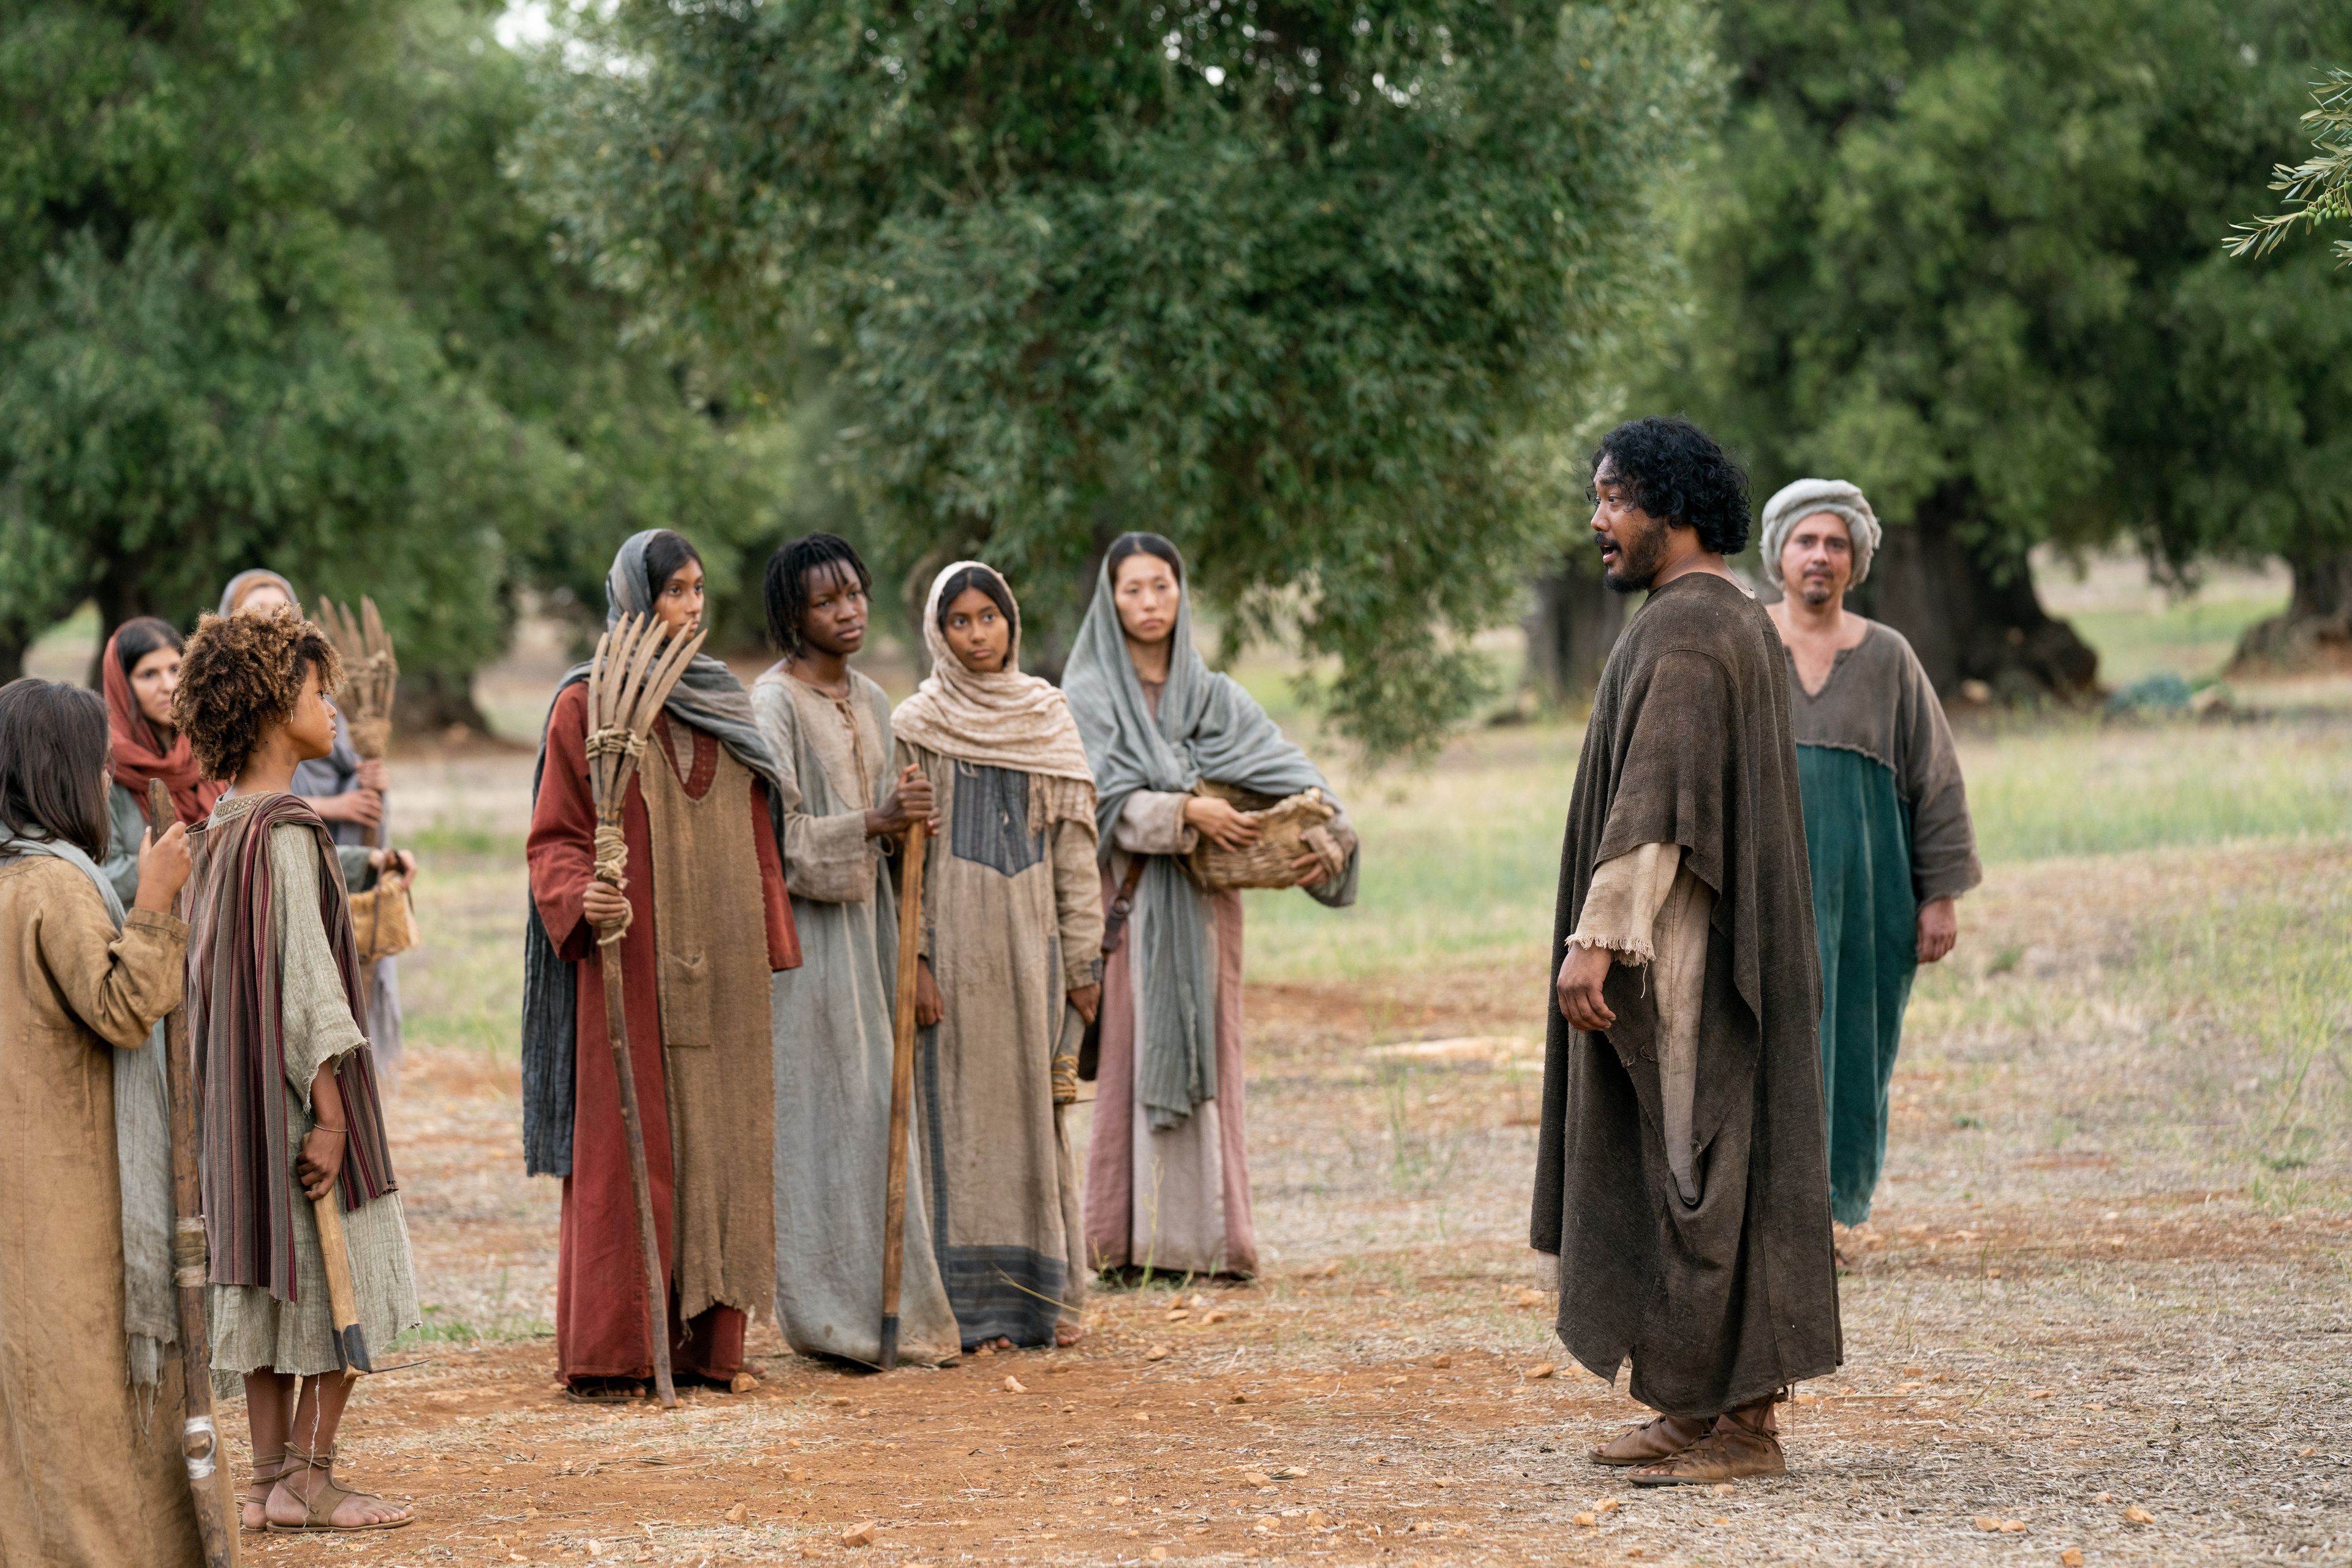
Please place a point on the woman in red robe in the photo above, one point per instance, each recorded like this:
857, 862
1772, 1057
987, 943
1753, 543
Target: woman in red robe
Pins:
696, 969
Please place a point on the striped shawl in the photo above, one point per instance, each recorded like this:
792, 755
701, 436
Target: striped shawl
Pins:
237, 1025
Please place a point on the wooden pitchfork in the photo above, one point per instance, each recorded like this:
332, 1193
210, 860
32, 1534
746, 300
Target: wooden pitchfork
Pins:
637, 664
191, 1265
370, 678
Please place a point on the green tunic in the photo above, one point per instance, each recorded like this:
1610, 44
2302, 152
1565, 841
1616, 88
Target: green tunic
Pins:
1886, 829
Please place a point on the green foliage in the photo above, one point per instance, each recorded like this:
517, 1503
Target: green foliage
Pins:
2319, 189
266, 297
1960, 253
1312, 287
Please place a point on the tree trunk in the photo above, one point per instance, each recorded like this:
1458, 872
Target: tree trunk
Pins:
121, 594
1573, 625
13, 642
432, 702
1970, 611
2317, 626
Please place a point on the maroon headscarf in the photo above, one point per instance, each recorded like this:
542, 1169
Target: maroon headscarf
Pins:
137, 755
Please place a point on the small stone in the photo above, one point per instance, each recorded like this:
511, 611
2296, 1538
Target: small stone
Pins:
1530, 1299
1317, 1519
1256, 1479
837, 1399
1266, 1524
1015, 1386
2071, 1558
860, 1534
1215, 1315
1719, 1518
1157, 1352
1605, 1505
1721, 1489
1441, 1361
737, 1514
1589, 1521
742, 1382
2138, 1515
1986, 1522
2012, 1527
1542, 1369
985, 1350
2038, 1393
1158, 1554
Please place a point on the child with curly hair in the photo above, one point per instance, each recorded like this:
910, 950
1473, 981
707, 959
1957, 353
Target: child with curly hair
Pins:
291, 1110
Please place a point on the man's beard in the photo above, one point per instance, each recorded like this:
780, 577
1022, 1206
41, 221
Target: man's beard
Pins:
1640, 555
1813, 591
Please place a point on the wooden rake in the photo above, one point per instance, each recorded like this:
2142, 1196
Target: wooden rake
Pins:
637, 664
371, 680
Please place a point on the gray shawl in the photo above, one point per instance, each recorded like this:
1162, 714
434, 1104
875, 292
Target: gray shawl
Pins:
712, 699
1208, 727
143, 1154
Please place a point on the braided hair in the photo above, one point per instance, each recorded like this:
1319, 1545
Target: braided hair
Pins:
787, 583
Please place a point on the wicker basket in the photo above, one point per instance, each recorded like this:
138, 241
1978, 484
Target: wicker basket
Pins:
1282, 826
383, 922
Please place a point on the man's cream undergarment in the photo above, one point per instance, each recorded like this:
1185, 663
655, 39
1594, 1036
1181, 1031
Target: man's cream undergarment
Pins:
1646, 907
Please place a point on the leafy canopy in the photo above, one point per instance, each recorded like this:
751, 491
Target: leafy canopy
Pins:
1961, 254
1315, 287
266, 297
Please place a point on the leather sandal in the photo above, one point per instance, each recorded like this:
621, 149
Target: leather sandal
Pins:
266, 1475
1661, 1437
319, 1510
1733, 1451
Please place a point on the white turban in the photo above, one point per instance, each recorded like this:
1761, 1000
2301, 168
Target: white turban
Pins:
1794, 502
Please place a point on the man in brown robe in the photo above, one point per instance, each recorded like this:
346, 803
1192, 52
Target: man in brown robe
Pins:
1681, 1176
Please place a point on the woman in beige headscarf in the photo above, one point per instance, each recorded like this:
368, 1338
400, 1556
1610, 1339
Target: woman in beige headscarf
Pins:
1012, 945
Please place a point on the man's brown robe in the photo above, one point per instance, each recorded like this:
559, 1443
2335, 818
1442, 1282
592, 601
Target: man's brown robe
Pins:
1722, 1301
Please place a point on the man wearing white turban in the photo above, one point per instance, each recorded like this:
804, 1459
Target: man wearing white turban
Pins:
1886, 814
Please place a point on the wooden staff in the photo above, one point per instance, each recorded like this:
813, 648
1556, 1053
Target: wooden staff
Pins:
636, 665
191, 1265
902, 1091
370, 680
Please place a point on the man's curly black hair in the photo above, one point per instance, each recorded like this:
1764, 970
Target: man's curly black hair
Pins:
1673, 469
242, 676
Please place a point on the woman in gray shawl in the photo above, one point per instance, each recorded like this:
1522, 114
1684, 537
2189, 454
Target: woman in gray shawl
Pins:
1167, 1170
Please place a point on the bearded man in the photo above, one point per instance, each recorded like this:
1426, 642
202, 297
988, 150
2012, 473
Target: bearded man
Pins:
1681, 1176
1886, 817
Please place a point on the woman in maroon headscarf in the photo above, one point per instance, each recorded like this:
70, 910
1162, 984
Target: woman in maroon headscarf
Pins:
140, 670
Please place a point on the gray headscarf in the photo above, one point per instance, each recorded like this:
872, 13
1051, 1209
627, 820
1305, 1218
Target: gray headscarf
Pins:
1207, 728
143, 1155
1790, 504
244, 581
709, 697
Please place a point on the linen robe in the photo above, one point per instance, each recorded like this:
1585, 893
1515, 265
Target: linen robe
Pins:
1726, 1299
1886, 830
88, 1479
338, 773
1011, 924
600, 1305
832, 1039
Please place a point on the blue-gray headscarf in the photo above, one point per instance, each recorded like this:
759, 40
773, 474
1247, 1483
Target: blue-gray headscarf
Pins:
1207, 728
709, 697
142, 1155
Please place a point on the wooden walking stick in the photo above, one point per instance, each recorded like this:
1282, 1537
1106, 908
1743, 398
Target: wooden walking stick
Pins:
902, 1091
636, 665
371, 680
191, 1264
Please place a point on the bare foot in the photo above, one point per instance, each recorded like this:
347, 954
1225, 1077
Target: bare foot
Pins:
1002, 1343
1067, 1334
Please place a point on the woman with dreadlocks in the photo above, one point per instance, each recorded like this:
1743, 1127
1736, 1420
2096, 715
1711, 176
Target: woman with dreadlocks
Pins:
704, 921
845, 813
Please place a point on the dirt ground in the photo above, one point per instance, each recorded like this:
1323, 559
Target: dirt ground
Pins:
2076, 1324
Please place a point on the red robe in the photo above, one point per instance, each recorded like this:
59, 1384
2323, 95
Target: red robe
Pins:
600, 1311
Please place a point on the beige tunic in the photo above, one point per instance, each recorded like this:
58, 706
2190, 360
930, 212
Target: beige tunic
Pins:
1645, 907
251, 1329
87, 1479
1011, 924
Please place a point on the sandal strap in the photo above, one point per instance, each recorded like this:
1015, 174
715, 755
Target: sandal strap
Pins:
266, 1472
319, 1509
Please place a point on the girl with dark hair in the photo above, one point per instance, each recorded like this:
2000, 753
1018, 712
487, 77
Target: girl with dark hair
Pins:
1167, 1170
845, 811
704, 921
1012, 945
88, 1472
291, 1112
140, 670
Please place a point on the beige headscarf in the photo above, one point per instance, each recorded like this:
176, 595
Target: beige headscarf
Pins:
1792, 503
1003, 719
232, 597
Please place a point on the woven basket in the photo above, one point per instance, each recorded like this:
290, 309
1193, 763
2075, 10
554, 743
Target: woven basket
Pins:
1282, 831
